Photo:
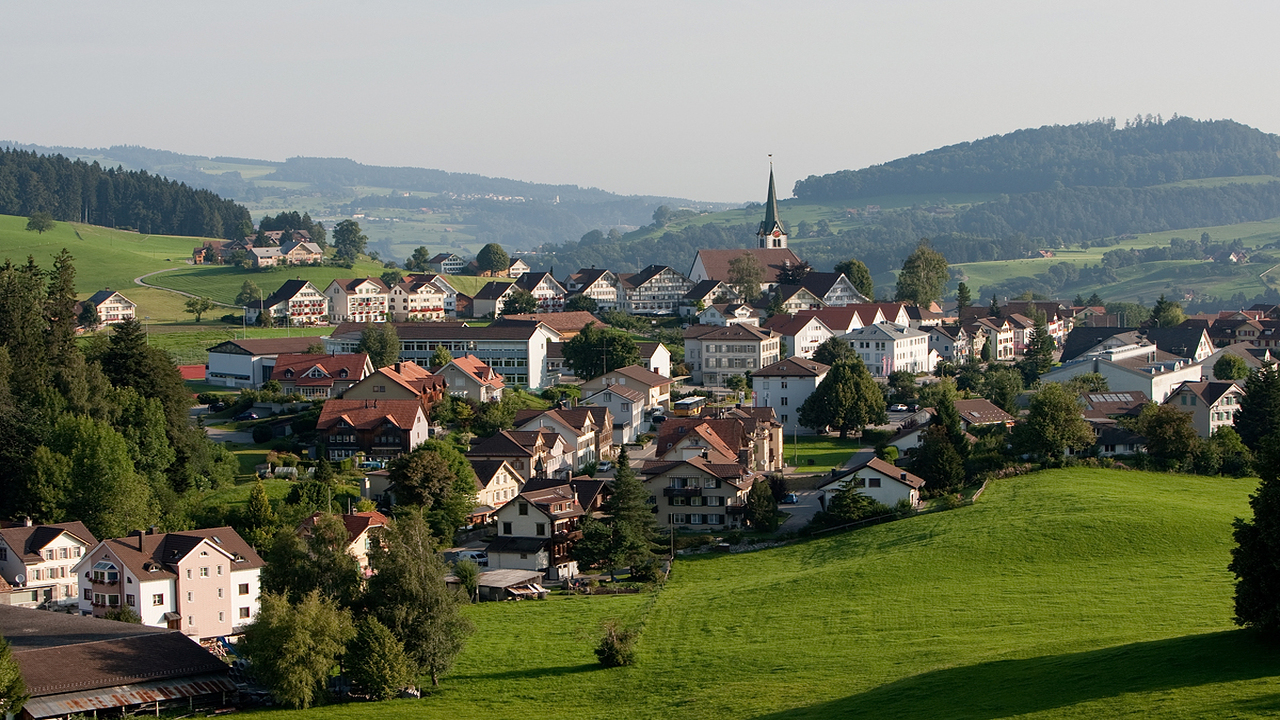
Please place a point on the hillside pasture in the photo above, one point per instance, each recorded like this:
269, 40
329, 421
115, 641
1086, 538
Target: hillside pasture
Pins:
1062, 594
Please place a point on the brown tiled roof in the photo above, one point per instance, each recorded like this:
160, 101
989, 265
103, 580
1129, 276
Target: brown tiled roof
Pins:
981, 411
271, 346
716, 262
501, 445
159, 551
730, 432
840, 319
794, 366
737, 332
732, 473
716, 449
545, 497
356, 523
332, 365
642, 375
478, 371
369, 414
27, 541
871, 461
1209, 391
350, 284
561, 322
627, 392
412, 377
791, 325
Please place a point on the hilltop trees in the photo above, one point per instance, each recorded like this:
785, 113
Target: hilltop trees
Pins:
923, 276
493, 259
348, 240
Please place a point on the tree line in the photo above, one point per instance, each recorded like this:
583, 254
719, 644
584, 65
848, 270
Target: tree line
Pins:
76, 191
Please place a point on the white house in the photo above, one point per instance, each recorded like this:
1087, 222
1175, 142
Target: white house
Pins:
1132, 368
603, 286
655, 290
725, 314
38, 562
697, 494
889, 347
801, 335
785, 385
296, 302
112, 307
362, 300
625, 404
249, 363
417, 298
1212, 405
536, 531
875, 478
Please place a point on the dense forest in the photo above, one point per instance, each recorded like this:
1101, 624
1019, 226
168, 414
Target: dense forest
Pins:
74, 190
1146, 151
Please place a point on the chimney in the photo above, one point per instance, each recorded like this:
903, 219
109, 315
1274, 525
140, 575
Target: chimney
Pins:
153, 530
903, 477
26, 521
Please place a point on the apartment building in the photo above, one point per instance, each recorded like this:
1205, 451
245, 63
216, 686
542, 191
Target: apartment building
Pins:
888, 347
713, 354
360, 300
296, 302
38, 562
655, 290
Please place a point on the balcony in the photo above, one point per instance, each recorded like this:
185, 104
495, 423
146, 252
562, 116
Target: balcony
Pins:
682, 492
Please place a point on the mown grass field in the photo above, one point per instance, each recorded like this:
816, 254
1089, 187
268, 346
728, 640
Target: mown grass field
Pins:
1063, 594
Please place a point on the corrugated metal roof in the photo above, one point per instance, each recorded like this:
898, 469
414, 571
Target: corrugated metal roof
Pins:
127, 695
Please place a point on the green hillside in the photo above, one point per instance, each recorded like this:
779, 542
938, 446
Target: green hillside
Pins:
1071, 593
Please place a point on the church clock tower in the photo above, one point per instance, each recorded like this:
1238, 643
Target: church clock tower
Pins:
772, 234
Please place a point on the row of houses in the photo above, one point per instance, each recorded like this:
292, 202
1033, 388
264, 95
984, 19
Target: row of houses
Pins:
270, 252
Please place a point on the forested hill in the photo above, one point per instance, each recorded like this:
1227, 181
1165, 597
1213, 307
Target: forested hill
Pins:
1145, 152
74, 190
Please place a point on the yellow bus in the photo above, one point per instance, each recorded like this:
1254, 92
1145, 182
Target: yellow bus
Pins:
689, 407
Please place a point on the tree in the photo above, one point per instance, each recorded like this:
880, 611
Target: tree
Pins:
88, 317
776, 306
260, 520
198, 306
420, 477
738, 383
1054, 423
348, 240
848, 398
1094, 300
418, 261
40, 222
293, 648
381, 342
923, 277
407, 594
938, 462
249, 292
762, 509
617, 647
1230, 367
1002, 386
833, 350
468, 574
13, 689
441, 357
595, 351
946, 417
1257, 552
122, 613
993, 310
1171, 438
1259, 413
391, 278
963, 297
794, 274
746, 274
376, 661
625, 535
1040, 345
493, 259
860, 276
847, 505
1167, 314
519, 302
582, 303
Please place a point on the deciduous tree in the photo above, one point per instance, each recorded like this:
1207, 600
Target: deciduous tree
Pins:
745, 276
923, 276
294, 648
249, 292
493, 259
1054, 423
348, 240
595, 351
376, 661
13, 689
1230, 367
40, 222
582, 303
519, 302
381, 342
1171, 438
198, 306
860, 276
847, 399
1167, 313
441, 357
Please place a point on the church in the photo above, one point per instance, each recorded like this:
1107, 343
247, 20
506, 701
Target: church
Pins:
771, 249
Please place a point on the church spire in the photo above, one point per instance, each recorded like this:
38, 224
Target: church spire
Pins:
772, 234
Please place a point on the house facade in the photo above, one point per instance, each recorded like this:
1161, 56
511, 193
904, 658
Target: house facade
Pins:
38, 562
536, 531
696, 494
603, 286
785, 385
735, 350
415, 299
296, 302
468, 377
320, 377
112, 307
359, 300
800, 336
1211, 404
626, 407
381, 429
655, 290
875, 478
447, 264
548, 293
249, 363
888, 347
655, 387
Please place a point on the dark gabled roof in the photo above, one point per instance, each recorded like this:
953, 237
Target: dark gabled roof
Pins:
502, 444
330, 365
350, 284
794, 366
739, 331
562, 322
160, 550
269, 346
1116, 435
821, 283
703, 289
771, 217
1180, 341
530, 280
494, 290
790, 325
1083, 339
101, 296
487, 470
980, 411
29, 540
1209, 391
284, 293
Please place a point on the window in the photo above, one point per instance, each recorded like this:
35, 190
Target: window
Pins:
715, 519
784, 387
784, 399
695, 519
873, 482
677, 519
88, 594
222, 617
523, 508
244, 612
784, 419
190, 596
219, 569
714, 501
62, 553
244, 588
506, 528
679, 501
710, 483
204, 572
128, 600
50, 554
113, 600
695, 501
524, 556
75, 552
191, 621
157, 599
219, 593
188, 573
540, 529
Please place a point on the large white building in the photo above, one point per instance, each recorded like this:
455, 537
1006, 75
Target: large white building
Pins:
362, 300
784, 386
888, 347
1129, 368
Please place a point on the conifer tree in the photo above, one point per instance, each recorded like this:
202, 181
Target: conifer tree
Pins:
13, 689
938, 462
1259, 414
376, 661
625, 535
1255, 560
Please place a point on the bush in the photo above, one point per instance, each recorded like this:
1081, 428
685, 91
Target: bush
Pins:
888, 453
262, 433
617, 647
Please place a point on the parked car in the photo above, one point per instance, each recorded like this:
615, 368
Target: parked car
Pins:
898, 408
658, 419
216, 407
478, 557
790, 499
604, 466
247, 415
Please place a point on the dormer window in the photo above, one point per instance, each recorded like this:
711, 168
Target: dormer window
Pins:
288, 373
343, 373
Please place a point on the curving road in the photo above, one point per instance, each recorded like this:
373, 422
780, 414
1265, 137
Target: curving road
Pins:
141, 280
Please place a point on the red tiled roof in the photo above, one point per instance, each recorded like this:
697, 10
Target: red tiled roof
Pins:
369, 414
716, 262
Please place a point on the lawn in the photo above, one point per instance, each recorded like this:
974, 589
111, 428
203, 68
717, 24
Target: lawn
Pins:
1064, 594
825, 451
189, 344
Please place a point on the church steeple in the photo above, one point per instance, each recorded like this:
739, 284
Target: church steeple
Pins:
772, 234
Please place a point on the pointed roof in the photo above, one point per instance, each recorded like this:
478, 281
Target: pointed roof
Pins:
771, 217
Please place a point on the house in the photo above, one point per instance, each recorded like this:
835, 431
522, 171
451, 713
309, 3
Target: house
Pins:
846, 319
358, 300
450, 292
726, 314
300, 252
376, 486
209, 253
1113, 440
496, 483
785, 385
799, 336
705, 294
317, 377
698, 494
545, 290
264, 257
626, 407
362, 529
951, 342
655, 290
888, 347
714, 264
1129, 368
1211, 404
763, 431
724, 351
833, 289
201, 582
875, 478
981, 412
998, 333
399, 381
657, 389
531, 453
468, 377
446, 264
1105, 407
76, 666
603, 286
518, 350
38, 562
537, 530
517, 269
296, 302
112, 307
418, 298
378, 428
587, 431
491, 298
795, 298
249, 363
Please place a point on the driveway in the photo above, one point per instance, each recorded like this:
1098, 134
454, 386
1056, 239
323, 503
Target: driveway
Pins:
802, 512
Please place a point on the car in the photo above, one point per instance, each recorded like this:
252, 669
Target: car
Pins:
478, 557
898, 408
247, 415
604, 466
915, 408
217, 407
790, 499
658, 419
371, 465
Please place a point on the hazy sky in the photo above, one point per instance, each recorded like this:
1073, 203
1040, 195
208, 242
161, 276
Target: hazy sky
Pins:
665, 98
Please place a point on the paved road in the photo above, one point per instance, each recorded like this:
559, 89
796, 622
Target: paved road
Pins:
141, 280
218, 433
802, 512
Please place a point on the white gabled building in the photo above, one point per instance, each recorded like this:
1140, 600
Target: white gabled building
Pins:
834, 289
655, 290
875, 478
362, 300
888, 347
38, 562
801, 335
297, 302
784, 386
112, 307
417, 298
603, 286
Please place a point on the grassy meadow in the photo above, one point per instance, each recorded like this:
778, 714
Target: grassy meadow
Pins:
1063, 594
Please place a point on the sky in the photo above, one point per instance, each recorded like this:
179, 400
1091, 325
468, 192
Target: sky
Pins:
685, 99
